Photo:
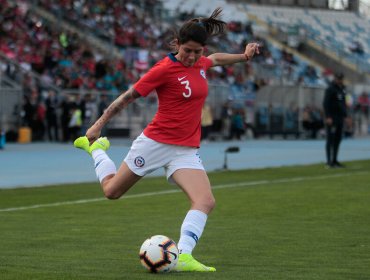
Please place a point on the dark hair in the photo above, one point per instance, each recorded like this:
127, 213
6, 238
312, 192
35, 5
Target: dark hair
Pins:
200, 29
339, 76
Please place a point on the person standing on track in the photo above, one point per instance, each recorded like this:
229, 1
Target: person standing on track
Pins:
335, 111
171, 140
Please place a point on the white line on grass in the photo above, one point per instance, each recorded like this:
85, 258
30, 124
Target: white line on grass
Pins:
233, 185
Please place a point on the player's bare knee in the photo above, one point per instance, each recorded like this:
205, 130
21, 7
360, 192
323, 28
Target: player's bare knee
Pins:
111, 194
206, 204
110, 190
211, 203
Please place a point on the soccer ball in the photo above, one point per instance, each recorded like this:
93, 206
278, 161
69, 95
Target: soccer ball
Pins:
159, 254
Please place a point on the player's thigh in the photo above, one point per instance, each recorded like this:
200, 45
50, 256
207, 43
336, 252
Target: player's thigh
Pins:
122, 181
196, 185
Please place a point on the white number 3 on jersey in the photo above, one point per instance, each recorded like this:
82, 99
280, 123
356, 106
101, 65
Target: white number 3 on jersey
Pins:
187, 87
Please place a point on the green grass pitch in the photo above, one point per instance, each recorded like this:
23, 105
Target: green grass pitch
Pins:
302, 222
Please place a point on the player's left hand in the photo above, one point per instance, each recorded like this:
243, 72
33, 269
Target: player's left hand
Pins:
251, 49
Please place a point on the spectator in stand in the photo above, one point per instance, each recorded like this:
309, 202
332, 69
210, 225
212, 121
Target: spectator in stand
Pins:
103, 104
226, 114
66, 107
67, 63
51, 104
34, 115
362, 112
75, 123
237, 128
28, 111
89, 112
356, 47
206, 122
38, 130
312, 121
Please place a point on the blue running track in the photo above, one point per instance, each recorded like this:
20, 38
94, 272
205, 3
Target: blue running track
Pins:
40, 164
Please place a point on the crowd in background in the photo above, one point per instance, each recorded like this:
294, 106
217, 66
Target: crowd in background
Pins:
62, 59
61, 119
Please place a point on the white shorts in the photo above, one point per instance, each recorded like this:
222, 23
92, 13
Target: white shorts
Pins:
147, 155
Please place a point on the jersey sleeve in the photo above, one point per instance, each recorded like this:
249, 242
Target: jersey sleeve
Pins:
207, 62
151, 80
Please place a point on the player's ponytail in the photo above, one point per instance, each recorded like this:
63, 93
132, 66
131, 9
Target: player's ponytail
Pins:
212, 25
200, 29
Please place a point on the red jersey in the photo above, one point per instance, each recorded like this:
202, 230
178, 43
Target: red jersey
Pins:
181, 92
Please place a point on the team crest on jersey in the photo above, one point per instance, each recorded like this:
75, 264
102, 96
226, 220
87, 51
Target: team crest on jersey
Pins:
203, 73
139, 161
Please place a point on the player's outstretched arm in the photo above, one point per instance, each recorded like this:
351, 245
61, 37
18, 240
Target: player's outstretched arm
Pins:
117, 105
220, 59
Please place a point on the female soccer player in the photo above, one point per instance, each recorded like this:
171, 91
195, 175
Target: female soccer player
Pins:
171, 140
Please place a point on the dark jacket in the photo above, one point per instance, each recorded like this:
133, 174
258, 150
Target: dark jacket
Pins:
335, 103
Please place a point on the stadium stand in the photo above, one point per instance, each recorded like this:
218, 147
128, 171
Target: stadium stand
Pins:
335, 30
76, 47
